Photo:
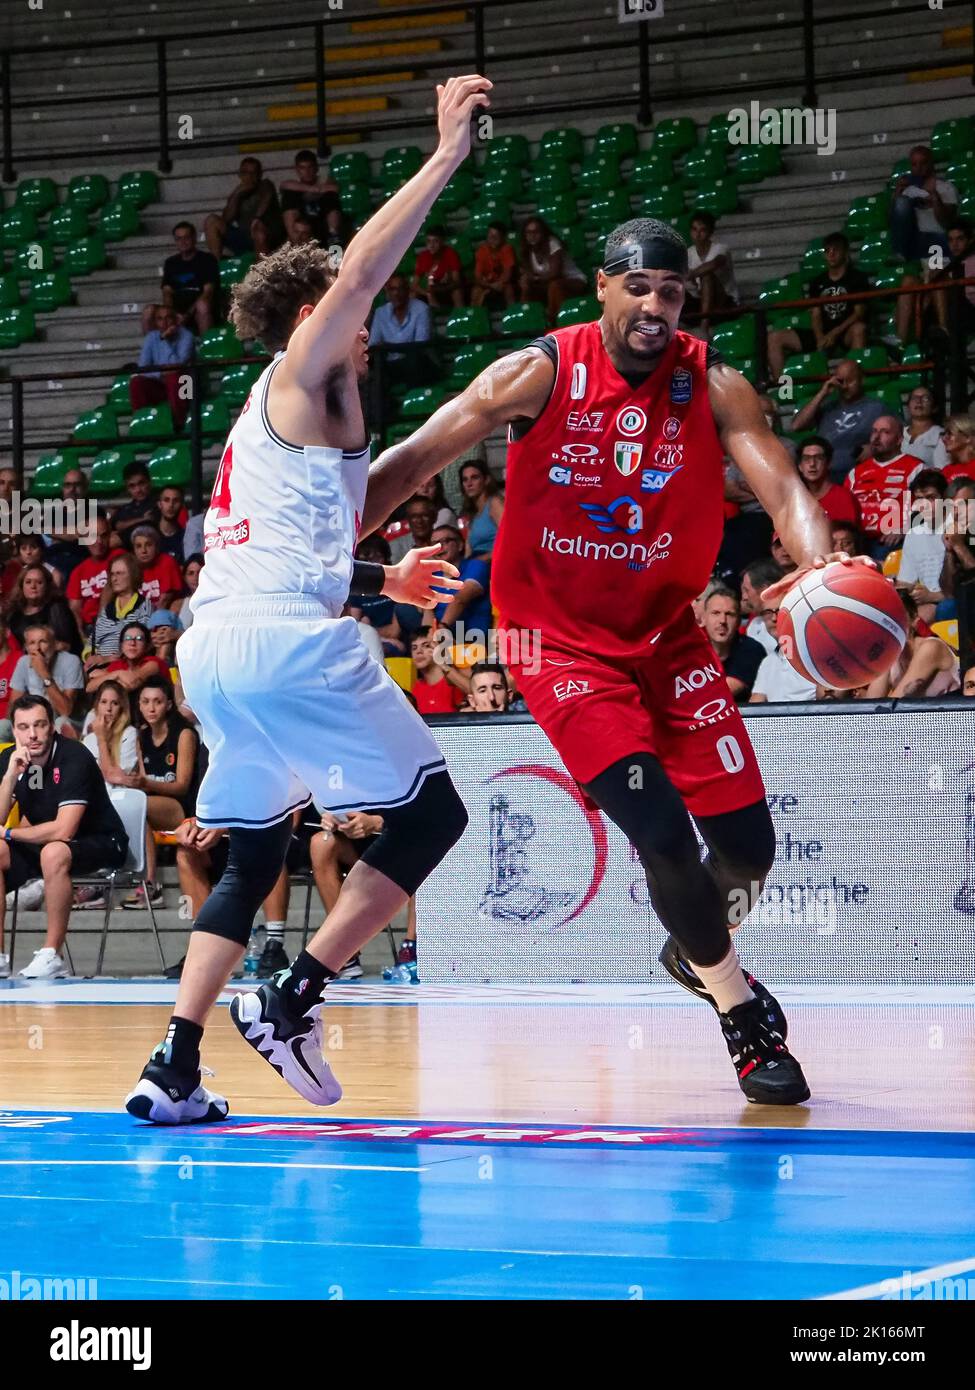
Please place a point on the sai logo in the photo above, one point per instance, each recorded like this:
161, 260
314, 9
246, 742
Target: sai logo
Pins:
680, 386
628, 457
631, 420
655, 479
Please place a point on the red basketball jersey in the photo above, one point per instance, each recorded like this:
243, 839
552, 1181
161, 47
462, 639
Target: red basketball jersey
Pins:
614, 501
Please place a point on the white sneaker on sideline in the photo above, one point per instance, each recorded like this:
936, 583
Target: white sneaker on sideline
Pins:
4, 967
31, 895
46, 965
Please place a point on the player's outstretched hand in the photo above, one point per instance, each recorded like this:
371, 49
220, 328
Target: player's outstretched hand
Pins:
782, 586
413, 579
457, 98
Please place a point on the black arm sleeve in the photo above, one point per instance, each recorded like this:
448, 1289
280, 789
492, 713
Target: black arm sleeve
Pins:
367, 578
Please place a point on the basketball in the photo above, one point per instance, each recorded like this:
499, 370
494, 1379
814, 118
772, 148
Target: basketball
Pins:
843, 625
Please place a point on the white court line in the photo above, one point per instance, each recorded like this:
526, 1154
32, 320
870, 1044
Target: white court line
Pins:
150, 1163
923, 1276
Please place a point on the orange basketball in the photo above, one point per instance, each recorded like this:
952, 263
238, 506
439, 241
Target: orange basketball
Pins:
843, 625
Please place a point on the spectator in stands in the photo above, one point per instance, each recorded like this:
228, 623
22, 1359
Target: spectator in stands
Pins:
832, 326
922, 209
120, 603
31, 550
958, 569
171, 509
190, 283
67, 822
697, 604
88, 579
35, 601
926, 667
162, 579
403, 319
780, 555
141, 508
375, 609
472, 601
302, 231
968, 681
778, 682
191, 580
959, 442
483, 507
880, 483
711, 285
961, 266
421, 514
740, 656
923, 552
495, 270
847, 538
747, 535
437, 275
251, 218
67, 547
309, 193
923, 436
847, 421
339, 231
839, 503
8, 484
549, 275
489, 692
167, 753
434, 490
439, 688
136, 663
756, 577
167, 344
10, 654
165, 630
337, 847
43, 670
110, 736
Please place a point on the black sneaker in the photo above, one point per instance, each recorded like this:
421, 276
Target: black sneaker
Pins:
168, 1097
768, 1074
273, 958
678, 969
293, 1046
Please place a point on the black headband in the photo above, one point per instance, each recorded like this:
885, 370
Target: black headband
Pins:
651, 253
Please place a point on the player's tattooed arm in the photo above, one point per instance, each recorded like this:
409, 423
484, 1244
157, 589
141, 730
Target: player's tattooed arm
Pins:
516, 387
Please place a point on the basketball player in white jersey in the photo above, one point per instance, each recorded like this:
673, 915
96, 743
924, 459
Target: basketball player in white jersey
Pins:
293, 707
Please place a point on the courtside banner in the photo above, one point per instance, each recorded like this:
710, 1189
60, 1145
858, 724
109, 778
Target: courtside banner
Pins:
873, 881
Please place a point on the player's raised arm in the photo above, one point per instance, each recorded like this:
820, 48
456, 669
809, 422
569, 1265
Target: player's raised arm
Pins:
328, 333
513, 388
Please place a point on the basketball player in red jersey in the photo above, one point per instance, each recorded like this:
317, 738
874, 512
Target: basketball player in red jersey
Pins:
612, 522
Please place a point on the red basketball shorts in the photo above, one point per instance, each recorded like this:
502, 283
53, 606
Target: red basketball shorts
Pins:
674, 703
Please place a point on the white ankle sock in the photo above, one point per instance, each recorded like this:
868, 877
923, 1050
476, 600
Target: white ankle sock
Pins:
725, 981
275, 931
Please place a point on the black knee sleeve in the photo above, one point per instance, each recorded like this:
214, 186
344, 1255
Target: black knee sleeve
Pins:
741, 851
254, 861
415, 837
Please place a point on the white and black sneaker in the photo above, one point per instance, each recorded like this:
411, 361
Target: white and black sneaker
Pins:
683, 972
293, 1046
168, 1097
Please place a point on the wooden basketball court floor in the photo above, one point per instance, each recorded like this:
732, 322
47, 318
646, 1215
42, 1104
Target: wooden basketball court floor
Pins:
496, 1142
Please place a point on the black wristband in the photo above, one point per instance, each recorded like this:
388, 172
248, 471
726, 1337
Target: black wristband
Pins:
367, 578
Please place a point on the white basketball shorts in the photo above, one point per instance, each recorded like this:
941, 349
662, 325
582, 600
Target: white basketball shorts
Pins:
293, 709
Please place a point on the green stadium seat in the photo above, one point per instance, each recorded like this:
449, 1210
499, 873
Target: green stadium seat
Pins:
171, 465
459, 192
677, 135
735, 339
609, 208
37, 194
215, 417
219, 344
465, 324
50, 290
719, 197
34, 258
652, 167
469, 362
48, 476
118, 395
717, 130
866, 215
234, 268
98, 426
875, 253
507, 150
421, 402
583, 309
88, 191
962, 176
237, 382
527, 320
599, 173
560, 208
357, 200
465, 248
402, 161
619, 139
903, 166
757, 162
704, 163
9, 292
666, 200
948, 137
563, 142
506, 182
890, 278
551, 176
748, 366
67, 223
17, 326
893, 391
813, 258
17, 225
484, 212
105, 478
350, 167
85, 255
806, 364
139, 187
151, 422
870, 358
573, 238
118, 221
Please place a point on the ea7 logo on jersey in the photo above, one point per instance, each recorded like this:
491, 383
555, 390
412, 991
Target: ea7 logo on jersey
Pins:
694, 680
585, 421
567, 690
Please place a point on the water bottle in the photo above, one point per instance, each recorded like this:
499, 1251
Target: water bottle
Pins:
255, 948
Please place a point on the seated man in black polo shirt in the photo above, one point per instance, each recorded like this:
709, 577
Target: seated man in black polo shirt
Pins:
67, 822
739, 657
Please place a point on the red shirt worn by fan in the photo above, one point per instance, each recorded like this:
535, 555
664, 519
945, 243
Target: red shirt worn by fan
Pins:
875, 485
614, 501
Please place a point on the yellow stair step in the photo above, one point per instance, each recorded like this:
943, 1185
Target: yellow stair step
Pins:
408, 21
957, 38
365, 52
383, 77
940, 74
287, 142
346, 106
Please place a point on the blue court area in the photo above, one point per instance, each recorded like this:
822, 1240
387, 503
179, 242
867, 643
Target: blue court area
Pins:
285, 1208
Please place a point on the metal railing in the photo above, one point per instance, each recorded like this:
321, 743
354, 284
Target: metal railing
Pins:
489, 43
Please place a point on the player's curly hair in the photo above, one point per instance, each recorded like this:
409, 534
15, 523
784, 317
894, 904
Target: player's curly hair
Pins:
265, 303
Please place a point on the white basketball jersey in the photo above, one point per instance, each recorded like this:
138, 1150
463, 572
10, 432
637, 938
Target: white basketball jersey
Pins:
282, 519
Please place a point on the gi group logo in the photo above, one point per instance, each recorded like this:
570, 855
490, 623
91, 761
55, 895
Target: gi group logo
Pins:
566, 478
